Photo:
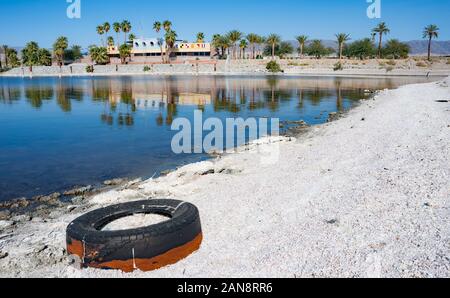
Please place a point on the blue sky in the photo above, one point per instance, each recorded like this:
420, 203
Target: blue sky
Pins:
44, 20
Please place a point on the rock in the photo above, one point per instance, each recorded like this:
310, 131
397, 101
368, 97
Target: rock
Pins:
4, 224
208, 172
114, 182
5, 215
78, 200
71, 208
53, 198
332, 221
21, 218
79, 191
3, 255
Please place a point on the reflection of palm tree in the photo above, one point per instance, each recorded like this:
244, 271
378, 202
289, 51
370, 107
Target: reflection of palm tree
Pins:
62, 99
338, 83
36, 95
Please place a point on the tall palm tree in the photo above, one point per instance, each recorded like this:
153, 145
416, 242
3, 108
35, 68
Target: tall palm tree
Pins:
243, 46
273, 40
5, 52
167, 25
111, 41
106, 28
30, 55
200, 37
301, 41
381, 29
157, 27
59, 48
234, 36
100, 31
252, 38
125, 27
117, 27
430, 32
342, 38
171, 38
132, 37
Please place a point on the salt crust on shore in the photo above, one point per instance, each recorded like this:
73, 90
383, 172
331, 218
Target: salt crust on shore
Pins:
365, 196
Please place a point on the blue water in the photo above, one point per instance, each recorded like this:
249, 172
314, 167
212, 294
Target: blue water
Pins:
59, 133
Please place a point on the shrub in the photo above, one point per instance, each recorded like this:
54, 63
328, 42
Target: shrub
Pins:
90, 68
147, 68
273, 66
391, 63
281, 50
448, 61
395, 49
338, 66
361, 49
421, 64
389, 69
318, 50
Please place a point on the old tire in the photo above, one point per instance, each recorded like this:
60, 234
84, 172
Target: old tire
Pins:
147, 248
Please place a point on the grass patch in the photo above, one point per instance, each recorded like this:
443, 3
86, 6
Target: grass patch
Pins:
391, 63
338, 66
448, 61
389, 68
421, 64
147, 68
90, 68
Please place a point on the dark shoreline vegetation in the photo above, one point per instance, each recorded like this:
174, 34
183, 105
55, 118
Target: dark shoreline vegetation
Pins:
299, 103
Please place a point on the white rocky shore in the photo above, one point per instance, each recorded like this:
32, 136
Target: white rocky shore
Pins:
365, 196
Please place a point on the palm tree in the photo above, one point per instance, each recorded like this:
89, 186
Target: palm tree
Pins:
106, 28
124, 53
132, 37
243, 46
273, 40
5, 52
234, 36
45, 57
252, 39
342, 38
200, 37
171, 38
100, 31
30, 55
126, 27
167, 25
381, 29
157, 27
59, 48
430, 32
117, 28
301, 41
110, 41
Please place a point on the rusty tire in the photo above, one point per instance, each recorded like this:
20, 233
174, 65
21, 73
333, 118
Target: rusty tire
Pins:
147, 248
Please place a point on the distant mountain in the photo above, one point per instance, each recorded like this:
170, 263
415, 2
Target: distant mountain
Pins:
420, 47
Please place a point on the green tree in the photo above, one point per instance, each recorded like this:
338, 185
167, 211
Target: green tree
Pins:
106, 28
117, 27
99, 55
110, 41
234, 36
157, 27
59, 47
76, 50
273, 40
342, 38
132, 37
253, 39
361, 49
167, 25
281, 49
100, 31
430, 32
200, 37
301, 41
396, 50
318, 50
243, 46
125, 27
45, 57
30, 55
12, 58
124, 53
5, 52
222, 44
170, 38
381, 30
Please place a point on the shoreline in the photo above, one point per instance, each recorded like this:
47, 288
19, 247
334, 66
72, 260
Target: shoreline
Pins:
376, 198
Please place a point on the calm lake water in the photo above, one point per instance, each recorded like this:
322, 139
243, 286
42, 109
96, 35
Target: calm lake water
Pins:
59, 133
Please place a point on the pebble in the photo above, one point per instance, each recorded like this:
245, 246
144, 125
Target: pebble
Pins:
3, 255
5, 214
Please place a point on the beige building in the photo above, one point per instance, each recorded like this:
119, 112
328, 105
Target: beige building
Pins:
149, 50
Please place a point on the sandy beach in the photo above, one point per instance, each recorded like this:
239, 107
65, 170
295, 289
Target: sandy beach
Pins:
364, 196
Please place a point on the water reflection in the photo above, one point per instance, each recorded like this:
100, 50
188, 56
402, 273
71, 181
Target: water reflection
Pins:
58, 133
